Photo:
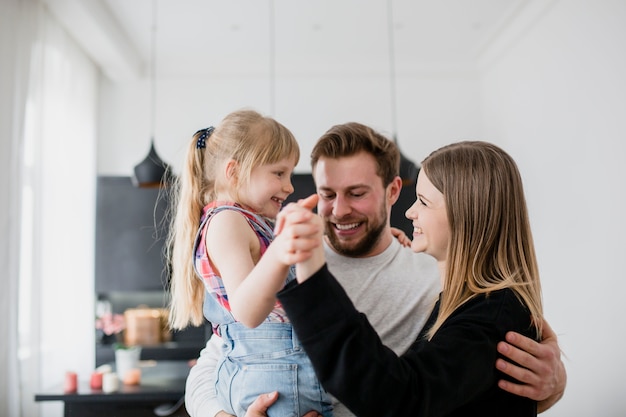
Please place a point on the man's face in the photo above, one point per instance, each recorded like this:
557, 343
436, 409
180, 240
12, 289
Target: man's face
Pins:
354, 204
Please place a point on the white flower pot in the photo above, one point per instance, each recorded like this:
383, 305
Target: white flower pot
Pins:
126, 359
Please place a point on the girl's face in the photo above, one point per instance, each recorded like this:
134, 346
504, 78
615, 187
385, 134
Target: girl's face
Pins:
431, 230
268, 188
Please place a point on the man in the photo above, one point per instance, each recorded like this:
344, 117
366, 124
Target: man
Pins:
356, 175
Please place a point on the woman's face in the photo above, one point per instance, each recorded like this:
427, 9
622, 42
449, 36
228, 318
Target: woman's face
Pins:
431, 230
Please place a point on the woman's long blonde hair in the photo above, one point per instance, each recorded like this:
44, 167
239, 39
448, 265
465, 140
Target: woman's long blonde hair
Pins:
491, 245
244, 136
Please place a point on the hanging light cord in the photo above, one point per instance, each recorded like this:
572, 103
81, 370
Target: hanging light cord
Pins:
392, 69
272, 56
153, 72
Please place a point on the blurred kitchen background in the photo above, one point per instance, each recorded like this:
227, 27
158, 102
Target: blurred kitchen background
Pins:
87, 86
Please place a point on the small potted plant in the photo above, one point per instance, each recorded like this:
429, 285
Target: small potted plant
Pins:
127, 357
111, 328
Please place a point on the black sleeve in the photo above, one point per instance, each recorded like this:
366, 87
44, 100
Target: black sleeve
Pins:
432, 378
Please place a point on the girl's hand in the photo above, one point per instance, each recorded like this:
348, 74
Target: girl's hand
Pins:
308, 204
305, 232
298, 231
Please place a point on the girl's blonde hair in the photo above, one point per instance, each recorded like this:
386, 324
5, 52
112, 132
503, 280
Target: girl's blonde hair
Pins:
491, 245
244, 136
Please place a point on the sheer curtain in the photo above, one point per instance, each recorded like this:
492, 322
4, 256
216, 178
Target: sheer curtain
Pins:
49, 215
10, 116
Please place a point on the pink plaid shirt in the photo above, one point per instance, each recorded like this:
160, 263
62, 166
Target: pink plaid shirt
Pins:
213, 282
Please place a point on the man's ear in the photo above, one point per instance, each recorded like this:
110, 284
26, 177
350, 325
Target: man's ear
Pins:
393, 190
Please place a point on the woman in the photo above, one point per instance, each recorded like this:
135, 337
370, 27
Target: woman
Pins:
471, 216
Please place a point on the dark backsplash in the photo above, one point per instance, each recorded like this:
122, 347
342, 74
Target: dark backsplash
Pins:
130, 265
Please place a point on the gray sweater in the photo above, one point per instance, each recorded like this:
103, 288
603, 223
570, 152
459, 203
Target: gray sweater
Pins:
392, 289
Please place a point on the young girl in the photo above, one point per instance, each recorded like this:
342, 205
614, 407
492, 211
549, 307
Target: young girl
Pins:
471, 216
223, 252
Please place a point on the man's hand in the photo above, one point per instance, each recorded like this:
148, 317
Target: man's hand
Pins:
541, 372
259, 407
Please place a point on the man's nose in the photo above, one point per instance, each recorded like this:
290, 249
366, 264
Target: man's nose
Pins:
341, 207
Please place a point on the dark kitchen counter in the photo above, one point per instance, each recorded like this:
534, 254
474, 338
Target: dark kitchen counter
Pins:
161, 382
169, 351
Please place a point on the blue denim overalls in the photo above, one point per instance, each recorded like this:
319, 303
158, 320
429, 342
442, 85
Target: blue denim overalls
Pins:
263, 359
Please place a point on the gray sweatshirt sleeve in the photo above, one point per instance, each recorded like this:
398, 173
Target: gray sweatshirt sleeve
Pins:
200, 395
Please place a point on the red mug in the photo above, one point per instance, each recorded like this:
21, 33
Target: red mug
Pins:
96, 380
71, 382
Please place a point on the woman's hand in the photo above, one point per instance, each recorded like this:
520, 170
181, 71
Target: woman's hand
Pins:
401, 236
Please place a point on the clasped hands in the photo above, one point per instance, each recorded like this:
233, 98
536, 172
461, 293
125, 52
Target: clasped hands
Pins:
299, 235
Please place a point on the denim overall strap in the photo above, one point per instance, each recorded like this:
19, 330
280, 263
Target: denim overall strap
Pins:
268, 337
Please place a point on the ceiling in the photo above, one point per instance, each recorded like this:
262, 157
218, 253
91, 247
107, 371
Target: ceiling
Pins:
202, 38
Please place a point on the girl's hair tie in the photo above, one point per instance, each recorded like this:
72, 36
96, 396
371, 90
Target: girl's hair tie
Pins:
201, 142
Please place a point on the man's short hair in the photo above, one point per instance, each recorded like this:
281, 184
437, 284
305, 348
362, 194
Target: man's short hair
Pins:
351, 138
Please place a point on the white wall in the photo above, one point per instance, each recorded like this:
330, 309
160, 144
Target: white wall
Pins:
555, 98
433, 108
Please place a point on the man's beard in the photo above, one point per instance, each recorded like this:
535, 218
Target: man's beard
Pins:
362, 247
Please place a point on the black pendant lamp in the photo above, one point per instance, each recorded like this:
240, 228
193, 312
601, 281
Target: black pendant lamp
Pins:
152, 172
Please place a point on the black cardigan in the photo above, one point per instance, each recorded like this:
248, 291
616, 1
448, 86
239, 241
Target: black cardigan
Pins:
454, 374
